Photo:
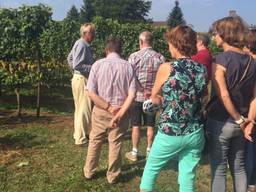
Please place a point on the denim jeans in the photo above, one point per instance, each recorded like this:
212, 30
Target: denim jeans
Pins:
250, 161
226, 146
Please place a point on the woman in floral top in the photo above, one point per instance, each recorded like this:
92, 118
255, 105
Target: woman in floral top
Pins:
183, 84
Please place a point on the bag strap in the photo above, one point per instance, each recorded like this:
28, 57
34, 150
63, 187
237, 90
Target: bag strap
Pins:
247, 68
215, 97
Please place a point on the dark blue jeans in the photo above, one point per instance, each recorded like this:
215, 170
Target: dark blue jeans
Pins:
250, 161
227, 145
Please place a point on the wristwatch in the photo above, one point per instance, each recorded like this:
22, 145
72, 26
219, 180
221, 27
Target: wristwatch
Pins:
241, 120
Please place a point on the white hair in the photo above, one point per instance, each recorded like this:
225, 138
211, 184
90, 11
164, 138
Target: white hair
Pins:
146, 37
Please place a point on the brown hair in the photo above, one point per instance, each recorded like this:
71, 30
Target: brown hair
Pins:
251, 41
204, 38
232, 30
184, 39
114, 45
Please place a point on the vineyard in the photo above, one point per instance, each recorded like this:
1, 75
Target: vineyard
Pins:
38, 154
33, 47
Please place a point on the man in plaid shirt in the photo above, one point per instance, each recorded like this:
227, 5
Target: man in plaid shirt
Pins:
145, 63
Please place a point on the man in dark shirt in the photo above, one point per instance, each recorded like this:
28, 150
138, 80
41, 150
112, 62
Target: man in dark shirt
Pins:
80, 60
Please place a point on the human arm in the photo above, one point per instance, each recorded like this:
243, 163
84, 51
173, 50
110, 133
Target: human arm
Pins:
119, 115
220, 84
81, 52
252, 118
101, 103
161, 76
129, 99
70, 60
92, 91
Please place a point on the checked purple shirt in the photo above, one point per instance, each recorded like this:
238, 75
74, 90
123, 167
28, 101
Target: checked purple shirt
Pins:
112, 78
145, 63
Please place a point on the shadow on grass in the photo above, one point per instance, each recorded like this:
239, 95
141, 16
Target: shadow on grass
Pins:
25, 118
21, 140
128, 134
52, 100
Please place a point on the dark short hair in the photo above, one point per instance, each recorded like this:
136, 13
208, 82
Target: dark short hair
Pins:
251, 41
184, 39
114, 44
204, 38
232, 30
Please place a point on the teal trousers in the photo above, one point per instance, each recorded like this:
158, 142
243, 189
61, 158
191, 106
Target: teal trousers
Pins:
188, 150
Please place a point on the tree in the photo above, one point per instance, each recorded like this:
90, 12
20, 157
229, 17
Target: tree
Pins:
20, 50
87, 11
73, 14
122, 10
175, 17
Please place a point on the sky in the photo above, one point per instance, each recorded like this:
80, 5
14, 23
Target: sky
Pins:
199, 13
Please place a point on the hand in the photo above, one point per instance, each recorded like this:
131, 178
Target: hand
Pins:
248, 130
115, 121
158, 100
113, 110
147, 94
244, 124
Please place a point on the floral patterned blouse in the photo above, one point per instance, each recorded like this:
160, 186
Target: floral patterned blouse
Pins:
183, 94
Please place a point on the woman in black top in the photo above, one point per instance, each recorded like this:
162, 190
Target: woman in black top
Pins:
232, 113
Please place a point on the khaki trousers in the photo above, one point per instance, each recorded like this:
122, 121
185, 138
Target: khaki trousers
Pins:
100, 121
82, 116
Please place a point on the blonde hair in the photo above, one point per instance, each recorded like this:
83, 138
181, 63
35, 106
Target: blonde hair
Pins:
87, 28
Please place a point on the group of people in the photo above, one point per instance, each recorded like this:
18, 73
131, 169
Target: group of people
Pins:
117, 88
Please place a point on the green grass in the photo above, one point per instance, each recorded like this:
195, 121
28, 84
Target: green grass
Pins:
51, 161
55, 164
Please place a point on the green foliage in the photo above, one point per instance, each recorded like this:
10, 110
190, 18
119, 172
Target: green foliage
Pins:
129, 33
87, 11
19, 43
56, 42
176, 16
29, 37
55, 164
121, 10
214, 48
73, 14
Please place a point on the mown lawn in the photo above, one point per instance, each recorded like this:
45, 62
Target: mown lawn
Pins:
39, 155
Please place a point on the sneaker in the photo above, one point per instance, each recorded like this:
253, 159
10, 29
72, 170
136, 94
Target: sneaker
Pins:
251, 188
131, 156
